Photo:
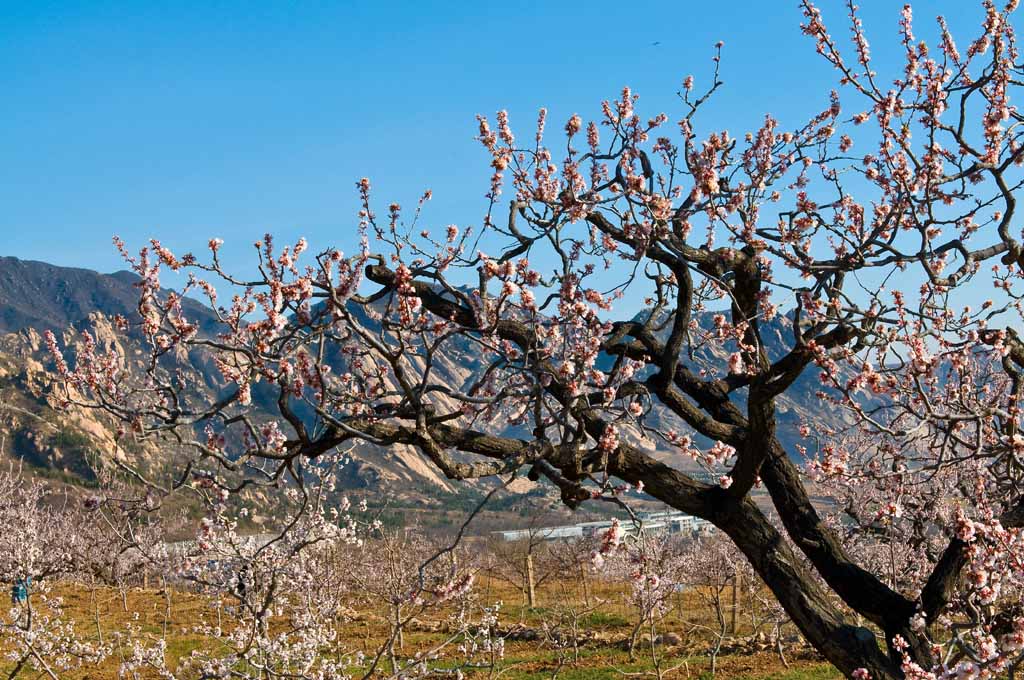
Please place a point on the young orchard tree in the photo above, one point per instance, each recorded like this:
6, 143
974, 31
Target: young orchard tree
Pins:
283, 620
286, 612
652, 566
526, 563
712, 570
39, 543
403, 573
863, 241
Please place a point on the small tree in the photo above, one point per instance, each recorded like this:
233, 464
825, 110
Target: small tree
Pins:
651, 565
711, 576
525, 563
38, 543
410, 576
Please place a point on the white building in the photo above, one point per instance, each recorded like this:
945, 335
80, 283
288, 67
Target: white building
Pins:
672, 521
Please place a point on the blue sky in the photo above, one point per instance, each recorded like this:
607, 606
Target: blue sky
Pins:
190, 120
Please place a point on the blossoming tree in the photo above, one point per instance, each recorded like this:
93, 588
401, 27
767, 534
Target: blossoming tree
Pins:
881, 236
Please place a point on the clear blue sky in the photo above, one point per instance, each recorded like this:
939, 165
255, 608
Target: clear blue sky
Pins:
189, 120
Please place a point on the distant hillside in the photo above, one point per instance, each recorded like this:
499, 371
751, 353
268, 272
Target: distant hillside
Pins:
47, 297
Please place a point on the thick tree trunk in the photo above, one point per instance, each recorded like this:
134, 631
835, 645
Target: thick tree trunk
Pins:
846, 646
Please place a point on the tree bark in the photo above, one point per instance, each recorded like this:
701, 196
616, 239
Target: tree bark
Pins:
531, 589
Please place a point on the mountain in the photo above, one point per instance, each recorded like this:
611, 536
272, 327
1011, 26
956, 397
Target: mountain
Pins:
45, 297
36, 297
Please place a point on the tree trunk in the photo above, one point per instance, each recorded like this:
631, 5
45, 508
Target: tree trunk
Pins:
846, 646
586, 585
531, 591
735, 603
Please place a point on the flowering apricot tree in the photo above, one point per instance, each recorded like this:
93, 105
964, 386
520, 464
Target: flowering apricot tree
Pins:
879, 241
37, 547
